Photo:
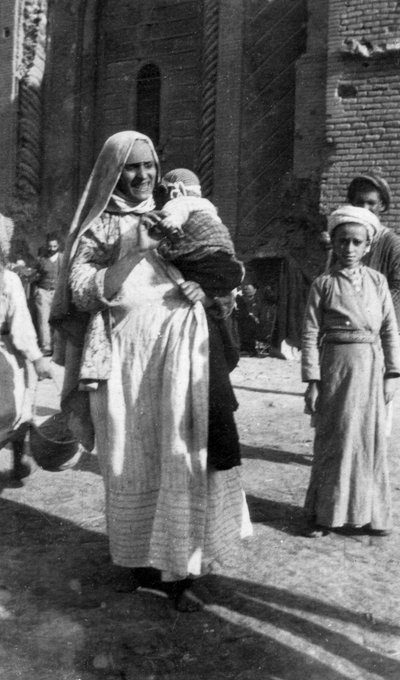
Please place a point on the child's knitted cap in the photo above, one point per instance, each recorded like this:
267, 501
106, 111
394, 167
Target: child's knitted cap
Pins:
184, 180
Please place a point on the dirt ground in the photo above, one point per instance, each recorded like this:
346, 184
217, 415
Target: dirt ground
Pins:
286, 607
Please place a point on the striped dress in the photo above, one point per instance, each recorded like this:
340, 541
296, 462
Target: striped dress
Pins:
165, 508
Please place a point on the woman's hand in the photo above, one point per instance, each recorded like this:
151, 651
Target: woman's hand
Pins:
194, 293
42, 368
148, 223
389, 389
311, 397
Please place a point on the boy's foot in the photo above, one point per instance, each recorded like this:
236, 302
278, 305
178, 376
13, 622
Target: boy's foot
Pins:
378, 532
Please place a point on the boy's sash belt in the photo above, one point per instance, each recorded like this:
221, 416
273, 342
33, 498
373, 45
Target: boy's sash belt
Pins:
337, 337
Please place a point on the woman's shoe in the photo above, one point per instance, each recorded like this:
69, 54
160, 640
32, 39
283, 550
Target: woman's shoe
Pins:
316, 531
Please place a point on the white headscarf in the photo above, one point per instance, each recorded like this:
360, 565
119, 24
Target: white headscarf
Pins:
350, 214
95, 199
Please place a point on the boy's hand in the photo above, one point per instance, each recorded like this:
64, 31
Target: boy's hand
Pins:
389, 389
311, 397
42, 368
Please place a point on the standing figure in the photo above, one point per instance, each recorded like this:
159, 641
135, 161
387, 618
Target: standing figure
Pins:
170, 513
350, 359
372, 192
18, 347
48, 269
248, 311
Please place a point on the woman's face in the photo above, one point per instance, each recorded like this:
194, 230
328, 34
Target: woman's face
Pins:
369, 199
349, 244
139, 174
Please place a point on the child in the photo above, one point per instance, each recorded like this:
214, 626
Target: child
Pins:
350, 358
196, 241
18, 345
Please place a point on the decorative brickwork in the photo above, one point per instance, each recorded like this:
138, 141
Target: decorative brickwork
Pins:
208, 104
362, 98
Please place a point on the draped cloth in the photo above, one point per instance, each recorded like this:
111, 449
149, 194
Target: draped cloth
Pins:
349, 479
165, 508
384, 256
294, 285
69, 322
18, 345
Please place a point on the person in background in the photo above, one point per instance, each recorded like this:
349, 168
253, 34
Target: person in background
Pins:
372, 192
48, 268
350, 360
248, 311
18, 347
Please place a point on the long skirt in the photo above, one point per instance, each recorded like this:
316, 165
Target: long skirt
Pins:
164, 507
349, 482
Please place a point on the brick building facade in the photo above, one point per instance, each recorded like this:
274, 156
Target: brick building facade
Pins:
277, 105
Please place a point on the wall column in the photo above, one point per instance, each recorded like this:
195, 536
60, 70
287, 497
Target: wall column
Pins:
228, 112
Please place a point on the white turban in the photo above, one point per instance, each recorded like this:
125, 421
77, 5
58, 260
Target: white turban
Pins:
350, 214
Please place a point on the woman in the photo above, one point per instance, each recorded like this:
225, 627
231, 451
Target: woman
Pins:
349, 321
147, 346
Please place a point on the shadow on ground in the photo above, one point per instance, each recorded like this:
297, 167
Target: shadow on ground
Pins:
59, 613
275, 455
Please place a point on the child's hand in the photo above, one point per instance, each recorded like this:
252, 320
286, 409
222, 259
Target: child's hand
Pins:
151, 219
389, 389
148, 239
170, 227
311, 397
42, 368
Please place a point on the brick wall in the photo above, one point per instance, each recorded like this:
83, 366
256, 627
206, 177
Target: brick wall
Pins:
362, 98
310, 105
168, 35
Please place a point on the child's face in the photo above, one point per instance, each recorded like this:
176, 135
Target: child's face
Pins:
369, 199
350, 244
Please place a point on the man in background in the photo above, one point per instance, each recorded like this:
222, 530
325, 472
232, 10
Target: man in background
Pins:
48, 268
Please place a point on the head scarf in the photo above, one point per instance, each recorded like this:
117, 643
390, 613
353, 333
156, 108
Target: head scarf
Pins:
95, 199
377, 182
350, 214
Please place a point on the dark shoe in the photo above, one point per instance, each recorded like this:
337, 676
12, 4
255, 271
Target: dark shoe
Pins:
20, 471
316, 531
185, 599
122, 580
379, 532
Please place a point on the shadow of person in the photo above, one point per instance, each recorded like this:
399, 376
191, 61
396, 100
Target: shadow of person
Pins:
261, 390
281, 516
313, 622
57, 613
275, 455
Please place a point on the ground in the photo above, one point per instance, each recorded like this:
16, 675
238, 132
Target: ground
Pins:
286, 607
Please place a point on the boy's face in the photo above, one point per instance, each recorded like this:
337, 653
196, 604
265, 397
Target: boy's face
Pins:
369, 199
350, 244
